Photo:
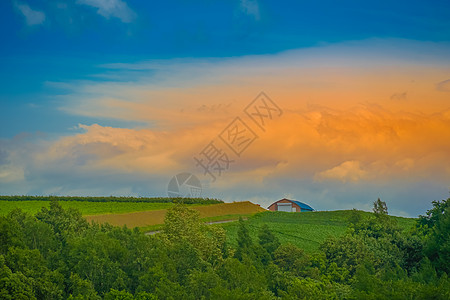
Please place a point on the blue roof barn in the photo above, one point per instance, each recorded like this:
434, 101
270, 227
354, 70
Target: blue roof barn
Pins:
290, 206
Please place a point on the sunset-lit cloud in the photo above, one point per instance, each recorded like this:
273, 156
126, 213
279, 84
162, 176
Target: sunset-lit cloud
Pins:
337, 76
365, 121
443, 86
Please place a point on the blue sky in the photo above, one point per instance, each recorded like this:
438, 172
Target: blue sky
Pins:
46, 41
68, 66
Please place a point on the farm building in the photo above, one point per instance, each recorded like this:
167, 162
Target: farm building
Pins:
289, 206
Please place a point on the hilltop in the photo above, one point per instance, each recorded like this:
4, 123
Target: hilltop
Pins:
307, 230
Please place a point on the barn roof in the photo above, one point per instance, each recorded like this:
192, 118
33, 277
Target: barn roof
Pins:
301, 204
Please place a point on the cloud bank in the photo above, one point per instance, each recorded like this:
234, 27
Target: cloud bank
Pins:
341, 142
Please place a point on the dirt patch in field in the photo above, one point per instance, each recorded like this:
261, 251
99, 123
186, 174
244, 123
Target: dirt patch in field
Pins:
154, 217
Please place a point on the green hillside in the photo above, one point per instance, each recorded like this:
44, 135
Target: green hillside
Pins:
58, 254
305, 230
97, 205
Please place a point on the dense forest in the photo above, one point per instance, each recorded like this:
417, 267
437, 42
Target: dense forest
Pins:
57, 254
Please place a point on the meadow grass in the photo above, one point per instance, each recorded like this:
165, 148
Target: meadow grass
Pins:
145, 219
232, 217
85, 207
98, 205
306, 230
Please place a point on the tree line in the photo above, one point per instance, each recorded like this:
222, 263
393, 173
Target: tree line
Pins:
114, 199
57, 254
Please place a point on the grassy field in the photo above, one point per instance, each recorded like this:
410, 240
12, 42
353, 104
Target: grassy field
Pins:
98, 205
306, 230
86, 207
148, 219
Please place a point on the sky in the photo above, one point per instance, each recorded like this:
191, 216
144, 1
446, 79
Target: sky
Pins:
332, 104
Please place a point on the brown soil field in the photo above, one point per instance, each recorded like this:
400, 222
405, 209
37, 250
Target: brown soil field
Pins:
154, 217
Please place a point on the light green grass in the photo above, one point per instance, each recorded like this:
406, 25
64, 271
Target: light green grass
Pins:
234, 217
85, 207
226, 218
306, 230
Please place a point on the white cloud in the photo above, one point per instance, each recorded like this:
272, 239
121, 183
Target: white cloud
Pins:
345, 172
32, 17
9, 173
443, 86
111, 8
250, 7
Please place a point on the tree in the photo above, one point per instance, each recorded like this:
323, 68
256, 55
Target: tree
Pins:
47, 284
62, 221
292, 259
202, 284
436, 227
244, 242
118, 295
267, 239
183, 225
82, 289
11, 233
14, 285
98, 258
344, 254
242, 276
380, 207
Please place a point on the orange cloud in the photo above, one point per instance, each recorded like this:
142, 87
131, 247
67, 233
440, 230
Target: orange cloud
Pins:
347, 171
351, 115
364, 143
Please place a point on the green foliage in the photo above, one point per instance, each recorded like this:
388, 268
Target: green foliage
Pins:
355, 216
307, 288
81, 288
343, 255
14, 285
112, 199
392, 283
292, 259
268, 240
204, 284
380, 207
46, 284
182, 225
305, 230
118, 295
436, 228
62, 221
56, 254
97, 205
243, 277
245, 247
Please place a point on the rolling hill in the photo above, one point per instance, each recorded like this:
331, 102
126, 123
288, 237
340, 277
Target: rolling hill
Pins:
307, 230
